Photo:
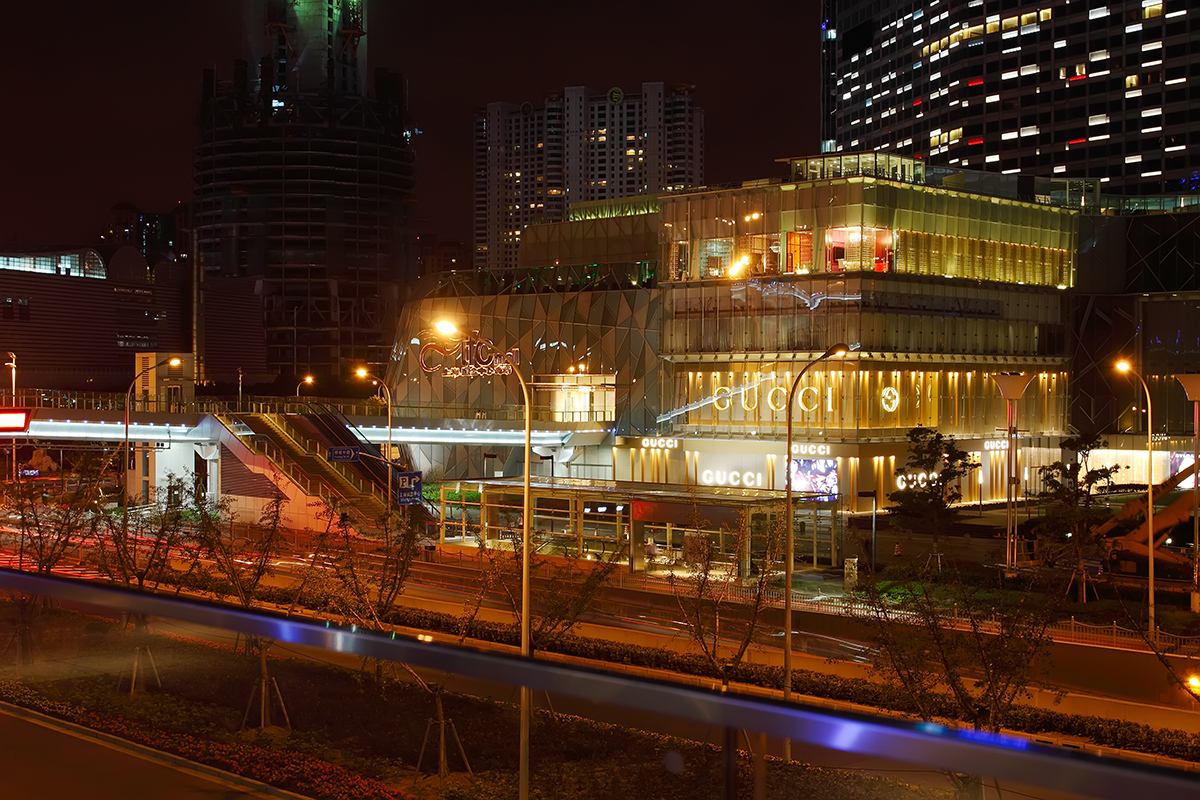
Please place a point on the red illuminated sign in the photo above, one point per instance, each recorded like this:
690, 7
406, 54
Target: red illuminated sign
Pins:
14, 420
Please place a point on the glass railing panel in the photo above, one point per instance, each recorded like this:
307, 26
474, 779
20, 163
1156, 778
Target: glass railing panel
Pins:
328, 703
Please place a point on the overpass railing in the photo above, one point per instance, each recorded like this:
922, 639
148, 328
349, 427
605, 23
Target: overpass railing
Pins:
253, 404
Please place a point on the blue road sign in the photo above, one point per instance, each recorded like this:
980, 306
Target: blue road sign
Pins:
408, 488
334, 454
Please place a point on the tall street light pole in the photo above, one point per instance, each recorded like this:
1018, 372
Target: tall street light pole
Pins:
789, 543
1191, 385
473, 339
362, 373
174, 362
12, 363
1012, 387
1124, 366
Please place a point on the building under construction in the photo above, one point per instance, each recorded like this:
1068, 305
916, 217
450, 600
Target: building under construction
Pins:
304, 187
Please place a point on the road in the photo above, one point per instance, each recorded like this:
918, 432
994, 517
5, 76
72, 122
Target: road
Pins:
32, 755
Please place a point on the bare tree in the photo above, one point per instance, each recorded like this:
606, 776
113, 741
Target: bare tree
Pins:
955, 650
242, 563
722, 611
49, 528
570, 589
137, 550
1069, 526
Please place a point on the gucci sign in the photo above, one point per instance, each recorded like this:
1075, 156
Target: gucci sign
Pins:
475, 359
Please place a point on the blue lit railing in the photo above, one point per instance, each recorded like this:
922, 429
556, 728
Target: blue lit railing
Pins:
929, 745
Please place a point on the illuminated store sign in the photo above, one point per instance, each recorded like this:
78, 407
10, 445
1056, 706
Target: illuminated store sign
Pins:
810, 449
14, 420
914, 480
808, 398
722, 477
999, 444
475, 359
660, 443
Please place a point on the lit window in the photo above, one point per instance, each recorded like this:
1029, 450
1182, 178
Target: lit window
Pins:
1097, 13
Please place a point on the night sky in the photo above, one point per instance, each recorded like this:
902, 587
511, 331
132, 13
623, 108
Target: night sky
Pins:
100, 106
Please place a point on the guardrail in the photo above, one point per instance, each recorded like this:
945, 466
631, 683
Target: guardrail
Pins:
941, 747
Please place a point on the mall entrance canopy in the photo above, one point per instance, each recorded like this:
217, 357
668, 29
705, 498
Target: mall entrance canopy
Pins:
633, 521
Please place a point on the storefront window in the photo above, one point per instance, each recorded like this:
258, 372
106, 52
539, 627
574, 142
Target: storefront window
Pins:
858, 249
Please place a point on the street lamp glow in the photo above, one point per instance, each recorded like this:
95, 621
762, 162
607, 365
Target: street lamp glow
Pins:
1122, 366
308, 379
446, 327
360, 372
1194, 682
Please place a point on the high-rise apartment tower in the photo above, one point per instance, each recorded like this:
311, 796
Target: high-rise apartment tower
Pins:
304, 182
533, 162
1071, 89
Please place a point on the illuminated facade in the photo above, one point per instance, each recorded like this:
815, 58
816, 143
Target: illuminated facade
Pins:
1096, 90
935, 278
533, 164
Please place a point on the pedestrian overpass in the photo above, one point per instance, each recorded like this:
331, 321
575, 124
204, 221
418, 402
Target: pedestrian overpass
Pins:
244, 452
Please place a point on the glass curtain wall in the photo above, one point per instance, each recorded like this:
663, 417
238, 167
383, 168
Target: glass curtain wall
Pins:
862, 224
858, 401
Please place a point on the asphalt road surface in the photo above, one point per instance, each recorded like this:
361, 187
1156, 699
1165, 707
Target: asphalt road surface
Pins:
34, 761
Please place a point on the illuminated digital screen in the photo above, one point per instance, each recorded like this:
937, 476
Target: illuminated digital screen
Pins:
1180, 461
818, 475
14, 420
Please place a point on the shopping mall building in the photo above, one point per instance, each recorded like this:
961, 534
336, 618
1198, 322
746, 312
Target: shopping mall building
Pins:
676, 325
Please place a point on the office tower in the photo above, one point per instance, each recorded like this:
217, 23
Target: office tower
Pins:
533, 162
1105, 91
304, 183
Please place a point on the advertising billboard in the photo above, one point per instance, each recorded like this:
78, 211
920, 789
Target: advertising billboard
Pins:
819, 475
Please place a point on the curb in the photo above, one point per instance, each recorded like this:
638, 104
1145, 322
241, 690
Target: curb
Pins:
148, 753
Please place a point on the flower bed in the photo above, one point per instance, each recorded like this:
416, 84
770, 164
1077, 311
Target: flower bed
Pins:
285, 769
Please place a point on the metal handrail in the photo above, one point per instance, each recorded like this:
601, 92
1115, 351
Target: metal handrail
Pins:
110, 401
942, 747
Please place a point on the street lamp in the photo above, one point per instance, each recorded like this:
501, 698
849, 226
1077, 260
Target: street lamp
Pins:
789, 543
1012, 386
362, 373
1191, 385
12, 362
449, 329
174, 361
308, 379
1124, 366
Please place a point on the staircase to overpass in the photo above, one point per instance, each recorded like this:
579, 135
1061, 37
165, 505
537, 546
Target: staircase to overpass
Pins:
279, 438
